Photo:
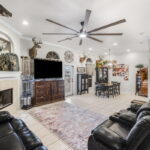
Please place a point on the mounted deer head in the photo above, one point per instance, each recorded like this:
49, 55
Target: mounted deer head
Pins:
33, 50
82, 59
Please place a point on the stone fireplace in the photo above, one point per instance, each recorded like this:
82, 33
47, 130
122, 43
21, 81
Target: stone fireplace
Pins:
6, 98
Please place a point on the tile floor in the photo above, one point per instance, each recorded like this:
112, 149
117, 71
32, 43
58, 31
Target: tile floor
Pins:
89, 101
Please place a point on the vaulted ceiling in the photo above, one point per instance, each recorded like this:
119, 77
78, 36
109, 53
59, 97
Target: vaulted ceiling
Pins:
71, 12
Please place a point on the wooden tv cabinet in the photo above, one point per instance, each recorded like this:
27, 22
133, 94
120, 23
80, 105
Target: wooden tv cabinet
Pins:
48, 91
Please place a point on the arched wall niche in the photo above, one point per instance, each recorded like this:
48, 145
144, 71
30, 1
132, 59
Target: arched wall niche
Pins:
52, 55
6, 37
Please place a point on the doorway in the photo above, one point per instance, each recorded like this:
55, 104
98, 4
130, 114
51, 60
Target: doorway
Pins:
69, 71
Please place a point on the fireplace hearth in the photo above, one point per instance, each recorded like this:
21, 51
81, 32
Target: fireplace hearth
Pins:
6, 98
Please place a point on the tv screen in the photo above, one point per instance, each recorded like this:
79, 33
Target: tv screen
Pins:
47, 69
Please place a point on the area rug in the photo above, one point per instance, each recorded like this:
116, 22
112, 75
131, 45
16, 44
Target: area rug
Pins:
70, 123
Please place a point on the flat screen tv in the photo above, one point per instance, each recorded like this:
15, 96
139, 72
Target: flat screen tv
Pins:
47, 69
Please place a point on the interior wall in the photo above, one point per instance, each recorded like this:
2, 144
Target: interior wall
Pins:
132, 59
15, 49
9, 79
45, 48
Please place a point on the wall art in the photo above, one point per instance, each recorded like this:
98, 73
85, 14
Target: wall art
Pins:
9, 62
121, 70
52, 55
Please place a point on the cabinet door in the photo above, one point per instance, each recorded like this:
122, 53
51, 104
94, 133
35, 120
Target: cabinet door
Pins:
41, 92
60, 89
54, 89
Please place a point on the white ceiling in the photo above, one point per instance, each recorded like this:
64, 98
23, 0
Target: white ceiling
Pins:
71, 12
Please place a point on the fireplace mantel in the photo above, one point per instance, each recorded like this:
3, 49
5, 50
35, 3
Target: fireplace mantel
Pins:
9, 74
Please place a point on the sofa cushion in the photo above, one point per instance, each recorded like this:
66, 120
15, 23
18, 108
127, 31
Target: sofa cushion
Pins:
120, 129
11, 142
5, 129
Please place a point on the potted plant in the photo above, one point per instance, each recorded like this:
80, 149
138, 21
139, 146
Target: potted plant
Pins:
139, 66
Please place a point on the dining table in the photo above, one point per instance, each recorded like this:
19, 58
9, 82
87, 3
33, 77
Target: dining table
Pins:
108, 89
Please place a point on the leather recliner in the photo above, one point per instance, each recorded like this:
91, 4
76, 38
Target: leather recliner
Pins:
118, 135
15, 135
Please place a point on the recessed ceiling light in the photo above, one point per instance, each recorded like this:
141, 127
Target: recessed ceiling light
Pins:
128, 50
106, 53
90, 49
115, 44
25, 22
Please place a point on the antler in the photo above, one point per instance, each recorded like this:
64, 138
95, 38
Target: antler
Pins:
36, 40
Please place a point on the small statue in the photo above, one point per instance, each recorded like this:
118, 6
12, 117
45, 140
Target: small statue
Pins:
82, 59
33, 50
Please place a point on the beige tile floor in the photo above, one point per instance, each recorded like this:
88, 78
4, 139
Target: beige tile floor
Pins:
88, 101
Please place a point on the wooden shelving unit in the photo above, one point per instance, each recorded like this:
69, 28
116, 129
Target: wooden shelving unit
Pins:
101, 74
142, 82
82, 83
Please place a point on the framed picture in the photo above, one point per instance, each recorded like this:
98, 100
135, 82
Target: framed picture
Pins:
81, 70
121, 70
9, 62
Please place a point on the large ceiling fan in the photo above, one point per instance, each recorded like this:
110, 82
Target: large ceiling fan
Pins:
83, 33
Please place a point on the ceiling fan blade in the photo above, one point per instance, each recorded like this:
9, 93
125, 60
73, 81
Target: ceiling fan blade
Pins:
59, 34
86, 20
106, 34
4, 12
69, 38
95, 39
81, 40
61, 25
109, 25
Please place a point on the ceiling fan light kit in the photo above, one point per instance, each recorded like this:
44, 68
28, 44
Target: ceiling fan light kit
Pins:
83, 33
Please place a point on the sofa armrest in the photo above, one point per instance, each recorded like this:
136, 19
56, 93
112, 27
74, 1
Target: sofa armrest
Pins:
109, 138
134, 107
5, 116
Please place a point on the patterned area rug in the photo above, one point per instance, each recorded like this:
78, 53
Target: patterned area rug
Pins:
69, 122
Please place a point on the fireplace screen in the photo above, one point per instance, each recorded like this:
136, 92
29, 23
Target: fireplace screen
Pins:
6, 97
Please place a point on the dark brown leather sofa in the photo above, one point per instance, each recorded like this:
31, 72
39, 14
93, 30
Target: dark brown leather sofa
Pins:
15, 135
126, 130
